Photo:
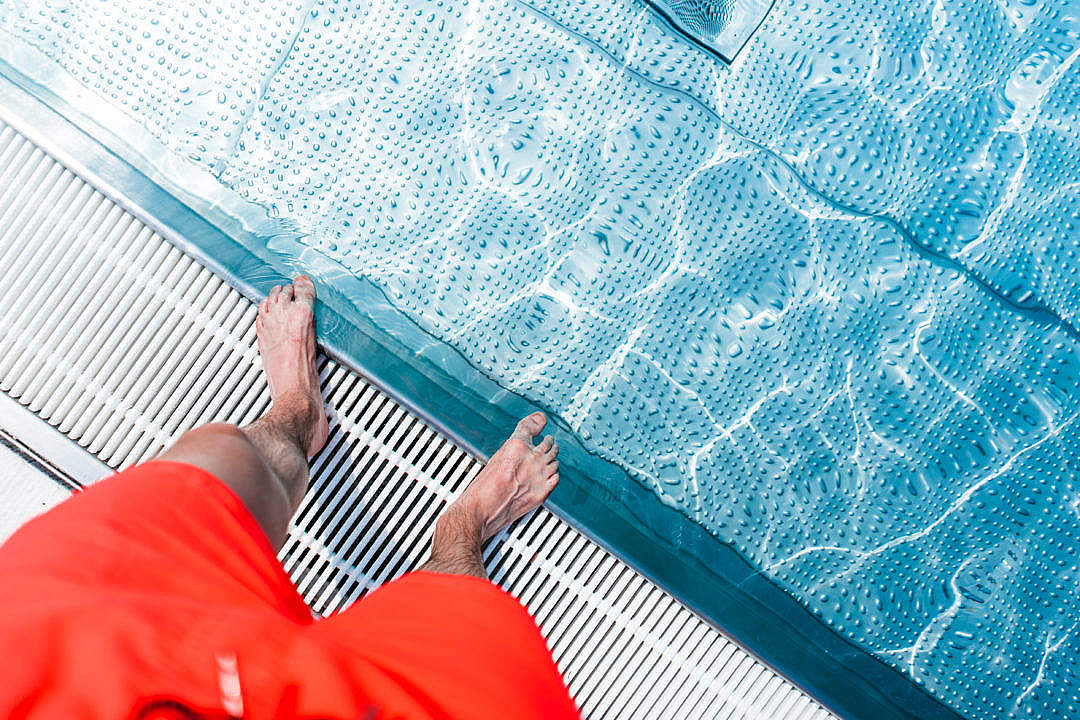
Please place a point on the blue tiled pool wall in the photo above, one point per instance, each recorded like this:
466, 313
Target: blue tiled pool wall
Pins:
822, 303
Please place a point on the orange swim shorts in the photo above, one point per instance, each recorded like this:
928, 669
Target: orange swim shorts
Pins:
155, 594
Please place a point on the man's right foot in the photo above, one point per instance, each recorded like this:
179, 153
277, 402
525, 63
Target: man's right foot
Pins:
517, 479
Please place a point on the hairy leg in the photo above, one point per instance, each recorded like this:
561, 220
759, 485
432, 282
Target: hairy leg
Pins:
517, 479
456, 548
265, 463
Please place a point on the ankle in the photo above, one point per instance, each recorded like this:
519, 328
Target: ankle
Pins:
296, 414
460, 525
297, 401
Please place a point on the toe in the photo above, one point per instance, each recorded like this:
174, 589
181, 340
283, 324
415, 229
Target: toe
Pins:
530, 426
552, 452
287, 292
545, 444
304, 290
275, 293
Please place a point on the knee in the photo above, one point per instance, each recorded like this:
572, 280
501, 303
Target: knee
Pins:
226, 452
221, 449
217, 433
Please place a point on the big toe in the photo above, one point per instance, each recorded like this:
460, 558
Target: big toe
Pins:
304, 290
530, 426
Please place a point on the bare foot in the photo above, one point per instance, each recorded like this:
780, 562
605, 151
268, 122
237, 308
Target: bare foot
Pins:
518, 478
285, 327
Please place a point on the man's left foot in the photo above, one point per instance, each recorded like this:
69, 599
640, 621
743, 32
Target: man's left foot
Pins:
285, 327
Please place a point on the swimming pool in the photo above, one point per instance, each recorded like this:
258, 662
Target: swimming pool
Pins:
807, 321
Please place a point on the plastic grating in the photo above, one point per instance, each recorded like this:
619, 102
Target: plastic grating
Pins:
122, 342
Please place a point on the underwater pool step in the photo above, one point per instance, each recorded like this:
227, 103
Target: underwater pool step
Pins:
121, 342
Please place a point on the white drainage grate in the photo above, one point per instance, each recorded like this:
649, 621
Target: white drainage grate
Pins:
121, 342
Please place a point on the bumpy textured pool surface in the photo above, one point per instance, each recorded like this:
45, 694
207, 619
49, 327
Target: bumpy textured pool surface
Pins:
808, 323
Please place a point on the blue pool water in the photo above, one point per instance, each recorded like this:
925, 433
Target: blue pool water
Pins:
822, 302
